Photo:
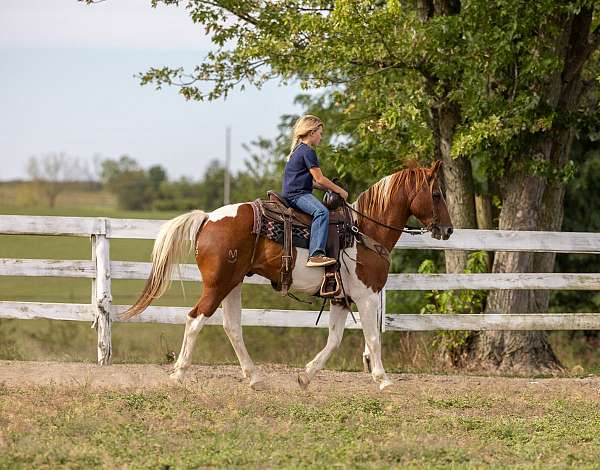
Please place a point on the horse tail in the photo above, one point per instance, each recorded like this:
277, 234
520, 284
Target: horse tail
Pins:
174, 242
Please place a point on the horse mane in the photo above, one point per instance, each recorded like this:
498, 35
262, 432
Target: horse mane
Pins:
374, 199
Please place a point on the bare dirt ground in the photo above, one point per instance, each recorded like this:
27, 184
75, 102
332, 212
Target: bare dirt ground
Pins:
282, 379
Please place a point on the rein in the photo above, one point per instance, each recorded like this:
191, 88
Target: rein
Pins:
411, 231
377, 247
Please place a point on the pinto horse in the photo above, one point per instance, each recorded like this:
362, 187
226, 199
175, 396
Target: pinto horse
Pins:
227, 250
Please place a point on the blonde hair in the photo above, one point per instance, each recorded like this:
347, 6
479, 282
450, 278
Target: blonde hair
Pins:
303, 127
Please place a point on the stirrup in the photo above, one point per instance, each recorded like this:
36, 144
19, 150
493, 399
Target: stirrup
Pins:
331, 285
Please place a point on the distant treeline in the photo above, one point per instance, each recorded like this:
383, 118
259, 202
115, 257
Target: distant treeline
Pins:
137, 188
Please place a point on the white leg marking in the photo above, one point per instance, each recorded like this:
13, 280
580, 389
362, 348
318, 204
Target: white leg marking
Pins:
232, 324
367, 307
192, 328
337, 323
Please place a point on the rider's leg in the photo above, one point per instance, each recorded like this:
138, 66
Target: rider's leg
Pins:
320, 224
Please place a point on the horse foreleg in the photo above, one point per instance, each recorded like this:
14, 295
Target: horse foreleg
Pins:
337, 322
193, 325
367, 307
232, 324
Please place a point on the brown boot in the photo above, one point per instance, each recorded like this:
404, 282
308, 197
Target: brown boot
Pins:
320, 261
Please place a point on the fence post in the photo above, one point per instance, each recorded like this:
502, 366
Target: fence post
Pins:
103, 296
381, 310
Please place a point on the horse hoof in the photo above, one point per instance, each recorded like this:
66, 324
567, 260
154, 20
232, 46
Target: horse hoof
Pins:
386, 384
303, 380
258, 384
177, 375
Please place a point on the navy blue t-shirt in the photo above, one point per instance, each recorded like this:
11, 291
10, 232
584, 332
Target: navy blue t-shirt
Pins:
297, 179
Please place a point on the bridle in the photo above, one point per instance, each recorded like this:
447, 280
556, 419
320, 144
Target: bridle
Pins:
411, 230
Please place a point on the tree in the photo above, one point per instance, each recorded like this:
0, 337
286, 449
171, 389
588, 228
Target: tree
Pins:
502, 86
53, 172
540, 93
133, 186
156, 174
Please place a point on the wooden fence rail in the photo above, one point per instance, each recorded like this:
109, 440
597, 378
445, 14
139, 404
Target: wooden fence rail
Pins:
101, 270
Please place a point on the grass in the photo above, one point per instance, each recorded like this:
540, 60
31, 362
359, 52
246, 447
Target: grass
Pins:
201, 425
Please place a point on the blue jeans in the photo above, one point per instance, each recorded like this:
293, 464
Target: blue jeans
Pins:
320, 225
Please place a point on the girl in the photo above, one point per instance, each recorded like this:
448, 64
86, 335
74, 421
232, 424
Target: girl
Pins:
301, 173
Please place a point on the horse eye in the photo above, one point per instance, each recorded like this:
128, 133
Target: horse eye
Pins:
436, 194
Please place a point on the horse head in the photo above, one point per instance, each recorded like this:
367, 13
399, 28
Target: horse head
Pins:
429, 206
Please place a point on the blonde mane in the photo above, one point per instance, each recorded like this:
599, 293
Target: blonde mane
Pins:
374, 199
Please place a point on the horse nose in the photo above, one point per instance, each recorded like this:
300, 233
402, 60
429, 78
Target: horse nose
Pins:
449, 231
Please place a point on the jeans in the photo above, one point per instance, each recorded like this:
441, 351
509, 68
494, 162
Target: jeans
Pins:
320, 225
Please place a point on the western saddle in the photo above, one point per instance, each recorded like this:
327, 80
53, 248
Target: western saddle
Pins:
277, 221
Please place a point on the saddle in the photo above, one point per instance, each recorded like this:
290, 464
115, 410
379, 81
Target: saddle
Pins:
277, 221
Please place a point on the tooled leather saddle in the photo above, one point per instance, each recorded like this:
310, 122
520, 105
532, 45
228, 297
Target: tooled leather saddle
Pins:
277, 221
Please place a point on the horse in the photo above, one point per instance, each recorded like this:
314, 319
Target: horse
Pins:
226, 251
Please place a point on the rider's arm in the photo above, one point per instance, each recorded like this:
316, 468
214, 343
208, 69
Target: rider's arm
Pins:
321, 180
319, 186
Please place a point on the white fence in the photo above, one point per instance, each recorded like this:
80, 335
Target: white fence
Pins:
101, 270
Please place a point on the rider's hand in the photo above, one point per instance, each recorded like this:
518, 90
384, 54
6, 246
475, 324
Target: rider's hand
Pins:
344, 195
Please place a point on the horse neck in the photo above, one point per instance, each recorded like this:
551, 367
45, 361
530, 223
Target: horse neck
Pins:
394, 211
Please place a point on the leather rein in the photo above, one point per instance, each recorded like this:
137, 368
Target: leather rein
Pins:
411, 231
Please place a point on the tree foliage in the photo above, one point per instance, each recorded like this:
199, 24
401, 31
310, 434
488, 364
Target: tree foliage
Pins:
385, 65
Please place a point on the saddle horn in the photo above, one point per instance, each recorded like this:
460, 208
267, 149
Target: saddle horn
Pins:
333, 200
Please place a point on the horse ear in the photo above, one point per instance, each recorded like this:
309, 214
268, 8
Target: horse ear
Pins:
437, 164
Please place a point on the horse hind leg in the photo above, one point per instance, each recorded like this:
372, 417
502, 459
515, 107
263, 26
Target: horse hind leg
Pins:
193, 325
232, 324
196, 319
337, 323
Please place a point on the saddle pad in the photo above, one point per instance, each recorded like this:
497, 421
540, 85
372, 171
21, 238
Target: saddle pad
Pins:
274, 231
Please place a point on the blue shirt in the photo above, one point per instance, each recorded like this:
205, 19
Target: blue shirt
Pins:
297, 179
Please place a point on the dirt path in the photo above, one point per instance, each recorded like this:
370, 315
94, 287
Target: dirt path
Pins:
283, 379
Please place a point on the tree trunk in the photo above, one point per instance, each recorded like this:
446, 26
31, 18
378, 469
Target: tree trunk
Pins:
538, 205
460, 200
458, 179
510, 350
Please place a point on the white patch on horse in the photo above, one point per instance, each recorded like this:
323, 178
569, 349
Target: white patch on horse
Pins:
304, 278
353, 286
230, 210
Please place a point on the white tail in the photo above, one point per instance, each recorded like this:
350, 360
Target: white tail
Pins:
172, 245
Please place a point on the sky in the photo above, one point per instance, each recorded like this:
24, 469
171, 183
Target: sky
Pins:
67, 85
